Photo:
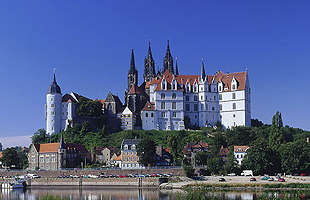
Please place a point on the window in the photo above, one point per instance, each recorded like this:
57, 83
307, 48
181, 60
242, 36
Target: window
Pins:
196, 107
53, 159
133, 147
41, 159
52, 105
207, 98
195, 98
52, 113
174, 105
163, 105
125, 147
220, 88
146, 114
220, 96
33, 159
187, 98
47, 159
152, 114
233, 95
234, 105
213, 108
163, 96
163, 114
207, 107
187, 107
234, 115
233, 86
214, 98
174, 96
201, 107
52, 99
174, 114
220, 106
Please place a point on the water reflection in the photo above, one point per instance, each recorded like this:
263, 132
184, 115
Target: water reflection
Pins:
131, 194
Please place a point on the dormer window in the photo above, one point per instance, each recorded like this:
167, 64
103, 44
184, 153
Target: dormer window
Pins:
164, 85
188, 87
174, 85
125, 147
133, 147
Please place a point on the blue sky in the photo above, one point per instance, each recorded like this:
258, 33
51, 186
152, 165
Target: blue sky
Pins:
89, 43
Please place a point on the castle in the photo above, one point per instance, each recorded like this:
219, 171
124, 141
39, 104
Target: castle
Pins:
165, 100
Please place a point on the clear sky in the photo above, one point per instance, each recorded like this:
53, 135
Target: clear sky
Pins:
89, 43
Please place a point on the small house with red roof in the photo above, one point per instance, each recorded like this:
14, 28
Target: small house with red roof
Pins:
55, 156
192, 148
240, 152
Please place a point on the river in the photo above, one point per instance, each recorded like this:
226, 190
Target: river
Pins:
136, 194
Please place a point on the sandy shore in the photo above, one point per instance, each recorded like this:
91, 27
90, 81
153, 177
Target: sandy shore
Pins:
231, 180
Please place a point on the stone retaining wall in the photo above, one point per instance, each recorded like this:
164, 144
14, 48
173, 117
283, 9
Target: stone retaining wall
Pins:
50, 174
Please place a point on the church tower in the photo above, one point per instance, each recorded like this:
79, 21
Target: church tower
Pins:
168, 61
133, 73
53, 108
149, 66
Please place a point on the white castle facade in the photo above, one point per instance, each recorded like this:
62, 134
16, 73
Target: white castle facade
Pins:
164, 101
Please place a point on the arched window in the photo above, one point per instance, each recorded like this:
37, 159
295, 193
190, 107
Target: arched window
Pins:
163, 96
220, 96
174, 114
174, 96
196, 107
146, 114
163, 114
174, 105
233, 95
195, 98
152, 114
234, 105
163, 105
187, 107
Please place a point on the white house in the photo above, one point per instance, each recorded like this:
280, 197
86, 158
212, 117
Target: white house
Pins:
240, 152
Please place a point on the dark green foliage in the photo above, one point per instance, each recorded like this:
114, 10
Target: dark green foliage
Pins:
146, 151
256, 123
201, 158
87, 107
231, 165
40, 137
10, 158
215, 165
188, 170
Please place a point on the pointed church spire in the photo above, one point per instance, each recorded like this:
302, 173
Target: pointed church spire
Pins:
54, 71
62, 144
176, 66
168, 60
149, 66
132, 62
203, 74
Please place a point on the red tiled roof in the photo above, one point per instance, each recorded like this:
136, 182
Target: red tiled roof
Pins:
227, 78
194, 145
53, 147
148, 107
223, 151
242, 148
135, 90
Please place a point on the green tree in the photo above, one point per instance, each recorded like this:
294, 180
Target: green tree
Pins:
10, 157
231, 165
215, 165
201, 158
187, 121
87, 107
40, 137
146, 150
188, 170
276, 136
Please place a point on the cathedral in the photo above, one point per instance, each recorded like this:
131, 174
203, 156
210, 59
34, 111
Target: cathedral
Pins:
166, 100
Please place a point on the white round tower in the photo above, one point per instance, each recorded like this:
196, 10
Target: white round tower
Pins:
53, 108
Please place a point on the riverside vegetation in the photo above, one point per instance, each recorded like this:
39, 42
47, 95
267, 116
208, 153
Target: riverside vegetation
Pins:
273, 148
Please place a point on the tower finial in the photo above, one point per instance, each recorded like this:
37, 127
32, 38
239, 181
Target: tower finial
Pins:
203, 74
62, 144
176, 66
54, 71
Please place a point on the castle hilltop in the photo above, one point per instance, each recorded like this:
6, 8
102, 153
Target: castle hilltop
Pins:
166, 100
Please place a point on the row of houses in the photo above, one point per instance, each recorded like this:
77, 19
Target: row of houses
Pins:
54, 156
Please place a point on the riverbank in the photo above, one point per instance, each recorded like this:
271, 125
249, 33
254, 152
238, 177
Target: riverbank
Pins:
241, 182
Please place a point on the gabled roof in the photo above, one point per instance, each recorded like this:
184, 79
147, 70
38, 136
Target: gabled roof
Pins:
136, 90
195, 145
228, 77
130, 142
240, 149
223, 151
53, 147
181, 80
149, 106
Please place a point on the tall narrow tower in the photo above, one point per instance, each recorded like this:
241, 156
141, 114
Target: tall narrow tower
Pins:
168, 61
133, 73
149, 66
53, 108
